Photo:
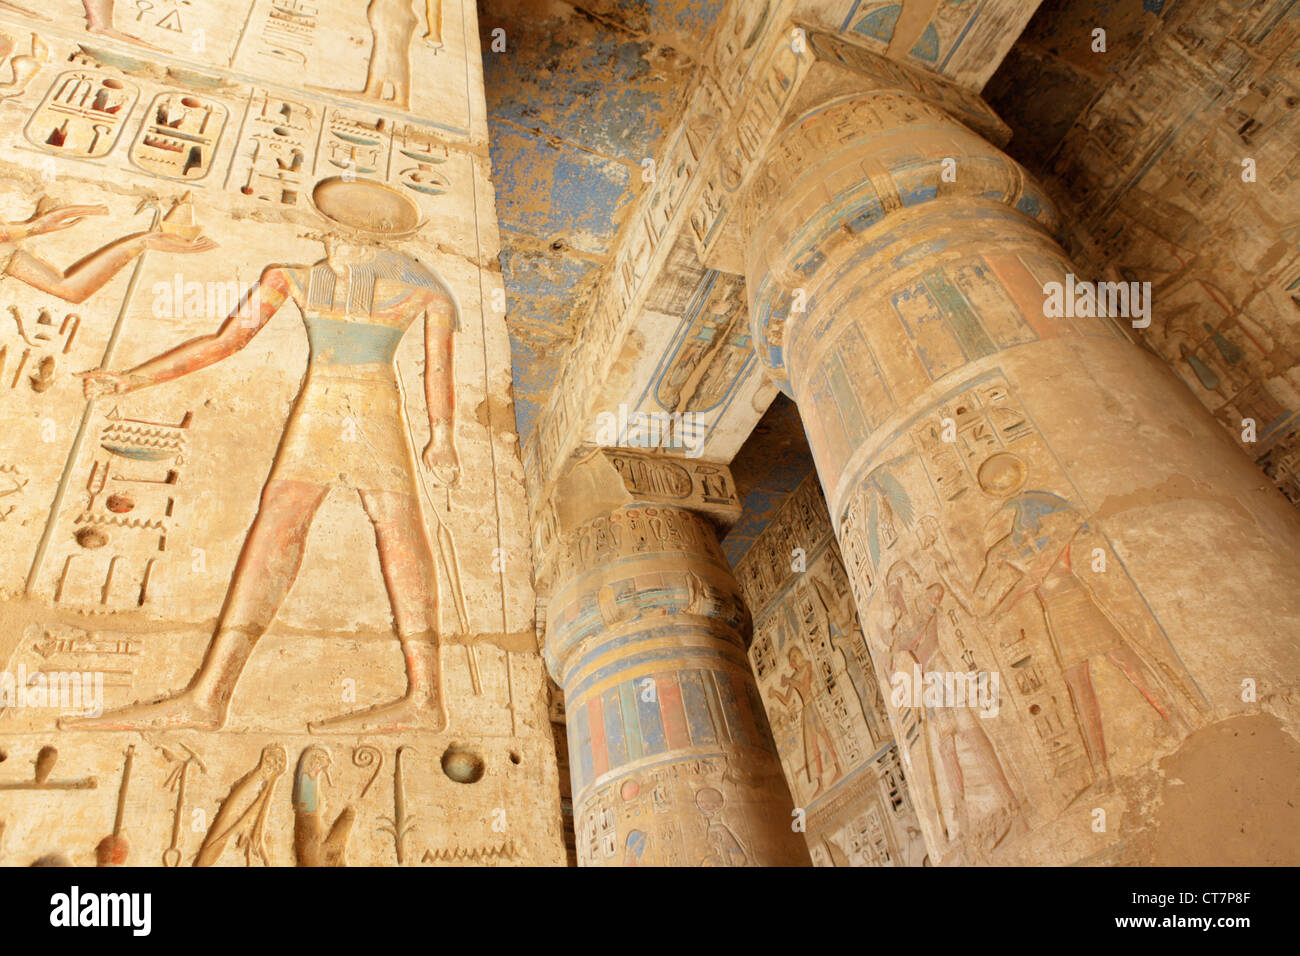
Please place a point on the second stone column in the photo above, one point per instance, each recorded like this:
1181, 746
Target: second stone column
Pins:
671, 757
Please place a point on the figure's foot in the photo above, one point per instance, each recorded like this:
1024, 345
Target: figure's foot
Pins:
185, 711
114, 34
406, 713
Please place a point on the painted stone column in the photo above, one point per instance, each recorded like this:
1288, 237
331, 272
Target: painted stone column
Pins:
670, 754
1064, 570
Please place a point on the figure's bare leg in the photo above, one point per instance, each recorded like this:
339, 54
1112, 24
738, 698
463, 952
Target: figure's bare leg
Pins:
265, 571
946, 776
948, 755
99, 15
984, 783
433, 22
392, 27
374, 87
399, 79
817, 759
829, 743
83, 278
1127, 660
410, 575
402, 92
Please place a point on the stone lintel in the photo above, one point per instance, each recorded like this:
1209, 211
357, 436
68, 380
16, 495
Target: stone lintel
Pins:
601, 480
607, 478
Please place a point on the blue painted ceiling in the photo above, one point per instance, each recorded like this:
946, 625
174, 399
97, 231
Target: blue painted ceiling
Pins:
580, 96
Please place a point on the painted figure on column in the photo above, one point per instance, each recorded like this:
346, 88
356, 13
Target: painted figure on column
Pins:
829, 666
723, 847
846, 636
816, 738
88, 275
347, 427
970, 789
1034, 557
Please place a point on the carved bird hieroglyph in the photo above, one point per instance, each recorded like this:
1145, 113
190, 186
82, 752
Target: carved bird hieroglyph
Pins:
312, 846
243, 813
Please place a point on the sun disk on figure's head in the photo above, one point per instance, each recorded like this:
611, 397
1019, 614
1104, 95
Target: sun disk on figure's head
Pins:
1002, 474
366, 209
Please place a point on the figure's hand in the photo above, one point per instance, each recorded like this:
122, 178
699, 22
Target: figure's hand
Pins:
170, 242
63, 217
440, 457
96, 383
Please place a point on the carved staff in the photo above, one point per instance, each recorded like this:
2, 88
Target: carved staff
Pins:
448, 553
89, 412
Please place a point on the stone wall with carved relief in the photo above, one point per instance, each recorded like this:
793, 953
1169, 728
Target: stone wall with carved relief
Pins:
266, 581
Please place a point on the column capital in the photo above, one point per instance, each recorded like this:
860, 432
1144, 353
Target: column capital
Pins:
601, 480
829, 68
843, 67
853, 174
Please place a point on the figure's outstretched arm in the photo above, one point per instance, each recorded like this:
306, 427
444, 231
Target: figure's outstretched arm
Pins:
51, 220
440, 322
780, 692
256, 308
87, 276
